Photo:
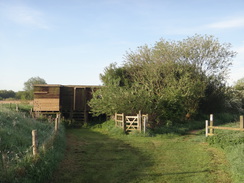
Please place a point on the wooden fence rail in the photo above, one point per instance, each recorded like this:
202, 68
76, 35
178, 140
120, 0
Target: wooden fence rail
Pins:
209, 129
131, 123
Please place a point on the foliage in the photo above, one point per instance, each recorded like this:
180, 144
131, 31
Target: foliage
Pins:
167, 81
17, 162
239, 85
239, 92
28, 87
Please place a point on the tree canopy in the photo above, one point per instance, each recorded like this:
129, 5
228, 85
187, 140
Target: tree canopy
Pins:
28, 87
168, 80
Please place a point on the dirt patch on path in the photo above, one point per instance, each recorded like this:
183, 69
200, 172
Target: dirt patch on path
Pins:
69, 167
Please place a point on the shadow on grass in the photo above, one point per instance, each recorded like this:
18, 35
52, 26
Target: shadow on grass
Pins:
179, 173
95, 157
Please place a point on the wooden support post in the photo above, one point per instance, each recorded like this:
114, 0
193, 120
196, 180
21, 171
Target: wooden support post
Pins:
241, 122
206, 126
211, 124
16, 108
86, 116
34, 142
74, 99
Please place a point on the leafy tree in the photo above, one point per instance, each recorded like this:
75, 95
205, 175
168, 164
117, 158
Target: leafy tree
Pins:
28, 87
167, 80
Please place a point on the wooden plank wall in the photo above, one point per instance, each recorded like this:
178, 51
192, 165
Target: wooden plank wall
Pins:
46, 98
48, 104
63, 98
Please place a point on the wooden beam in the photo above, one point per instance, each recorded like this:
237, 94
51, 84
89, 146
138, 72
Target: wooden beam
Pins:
225, 128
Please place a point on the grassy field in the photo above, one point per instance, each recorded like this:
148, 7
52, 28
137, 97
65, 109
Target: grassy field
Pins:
95, 155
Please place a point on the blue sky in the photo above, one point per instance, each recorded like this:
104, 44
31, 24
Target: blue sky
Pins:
72, 41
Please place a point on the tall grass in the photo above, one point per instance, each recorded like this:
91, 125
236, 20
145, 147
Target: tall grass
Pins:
17, 164
232, 142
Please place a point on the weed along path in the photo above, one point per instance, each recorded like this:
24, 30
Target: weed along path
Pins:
93, 156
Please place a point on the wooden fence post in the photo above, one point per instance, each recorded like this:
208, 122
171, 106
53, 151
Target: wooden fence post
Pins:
211, 124
31, 112
16, 108
59, 118
56, 125
34, 142
206, 126
241, 122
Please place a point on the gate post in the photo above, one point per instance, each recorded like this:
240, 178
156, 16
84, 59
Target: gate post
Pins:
123, 122
241, 122
211, 124
139, 121
115, 119
206, 127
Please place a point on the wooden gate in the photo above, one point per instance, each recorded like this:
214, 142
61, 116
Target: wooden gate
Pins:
131, 123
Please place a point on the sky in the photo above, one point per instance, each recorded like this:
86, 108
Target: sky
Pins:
70, 42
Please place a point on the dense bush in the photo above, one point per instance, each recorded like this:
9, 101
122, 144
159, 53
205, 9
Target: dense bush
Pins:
169, 81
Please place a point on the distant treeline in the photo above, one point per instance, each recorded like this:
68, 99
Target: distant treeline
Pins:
10, 94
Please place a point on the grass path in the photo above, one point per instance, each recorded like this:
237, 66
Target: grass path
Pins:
92, 156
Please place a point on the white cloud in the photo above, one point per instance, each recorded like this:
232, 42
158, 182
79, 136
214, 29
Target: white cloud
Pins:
237, 22
27, 16
231, 23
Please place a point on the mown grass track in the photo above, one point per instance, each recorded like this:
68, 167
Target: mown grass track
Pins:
92, 156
